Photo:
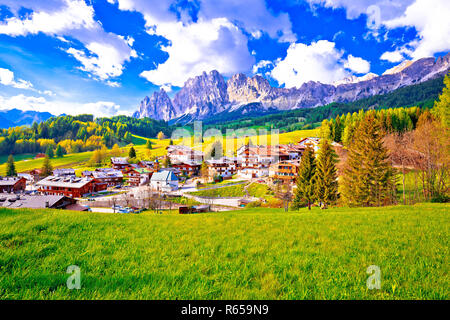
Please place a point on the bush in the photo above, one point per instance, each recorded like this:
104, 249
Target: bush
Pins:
255, 204
440, 198
274, 203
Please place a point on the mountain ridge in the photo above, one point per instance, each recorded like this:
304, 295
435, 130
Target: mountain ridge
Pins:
15, 117
209, 94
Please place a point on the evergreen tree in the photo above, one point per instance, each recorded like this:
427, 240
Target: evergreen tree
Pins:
305, 192
11, 167
171, 142
148, 145
49, 151
368, 179
132, 153
326, 177
59, 152
47, 168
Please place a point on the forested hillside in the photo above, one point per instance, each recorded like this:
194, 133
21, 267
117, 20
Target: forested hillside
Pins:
422, 95
76, 134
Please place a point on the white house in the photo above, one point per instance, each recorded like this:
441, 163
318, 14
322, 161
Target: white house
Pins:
164, 181
182, 154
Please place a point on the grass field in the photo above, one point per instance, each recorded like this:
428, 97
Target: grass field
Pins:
250, 254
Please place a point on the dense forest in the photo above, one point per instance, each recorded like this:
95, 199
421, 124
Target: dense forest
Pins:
422, 95
343, 127
76, 134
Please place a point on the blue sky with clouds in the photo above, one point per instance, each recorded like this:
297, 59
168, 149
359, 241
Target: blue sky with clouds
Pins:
104, 56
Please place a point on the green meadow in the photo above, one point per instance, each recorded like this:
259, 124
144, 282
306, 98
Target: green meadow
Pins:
255, 253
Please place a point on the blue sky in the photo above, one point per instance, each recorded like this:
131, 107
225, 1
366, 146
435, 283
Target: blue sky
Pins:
104, 56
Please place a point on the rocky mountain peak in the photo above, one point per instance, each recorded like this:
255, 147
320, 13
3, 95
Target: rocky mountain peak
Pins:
158, 107
208, 94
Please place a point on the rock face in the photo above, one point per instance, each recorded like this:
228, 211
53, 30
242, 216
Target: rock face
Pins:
207, 95
158, 107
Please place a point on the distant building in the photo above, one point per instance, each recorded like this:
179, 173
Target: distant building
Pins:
64, 172
40, 155
36, 175
111, 177
164, 181
70, 186
139, 176
225, 167
14, 201
311, 141
188, 167
184, 154
144, 175
285, 171
12, 184
119, 163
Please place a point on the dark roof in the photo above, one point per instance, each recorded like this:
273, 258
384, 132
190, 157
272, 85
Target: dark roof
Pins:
9, 181
10, 200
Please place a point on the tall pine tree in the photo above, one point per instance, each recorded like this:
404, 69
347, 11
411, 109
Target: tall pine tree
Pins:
11, 167
368, 178
305, 192
59, 151
47, 168
326, 177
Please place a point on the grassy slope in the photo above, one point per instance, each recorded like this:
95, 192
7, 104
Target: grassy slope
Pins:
252, 254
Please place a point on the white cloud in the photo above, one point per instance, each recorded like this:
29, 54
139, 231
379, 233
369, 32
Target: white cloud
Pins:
113, 84
393, 56
203, 46
253, 16
107, 52
388, 9
429, 18
319, 61
262, 66
41, 104
215, 40
356, 64
432, 22
7, 79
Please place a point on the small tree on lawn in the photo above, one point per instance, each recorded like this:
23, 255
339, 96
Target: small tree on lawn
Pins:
148, 145
305, 192
47, 168
59, 151
160, 135
11, 167
49, 151
132, 153
326, 177
115, 151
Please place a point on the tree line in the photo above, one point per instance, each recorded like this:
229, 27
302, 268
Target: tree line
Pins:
73, 134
